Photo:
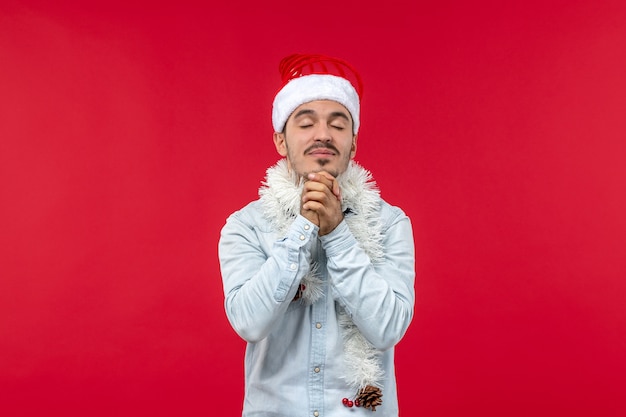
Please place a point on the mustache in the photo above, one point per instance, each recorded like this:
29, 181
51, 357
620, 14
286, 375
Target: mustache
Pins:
322, 146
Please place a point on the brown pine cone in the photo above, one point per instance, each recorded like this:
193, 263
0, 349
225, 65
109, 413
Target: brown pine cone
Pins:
370, 397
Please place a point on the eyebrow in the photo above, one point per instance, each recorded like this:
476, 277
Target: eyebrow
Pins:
303, 112
332, 115
339, 114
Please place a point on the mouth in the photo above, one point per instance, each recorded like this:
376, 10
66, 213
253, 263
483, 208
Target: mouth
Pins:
322, 151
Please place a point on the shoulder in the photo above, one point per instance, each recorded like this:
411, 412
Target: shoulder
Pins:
250, 216
248, 213
390, 214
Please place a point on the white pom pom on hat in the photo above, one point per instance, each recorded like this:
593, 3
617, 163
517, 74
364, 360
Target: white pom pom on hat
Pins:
308, 78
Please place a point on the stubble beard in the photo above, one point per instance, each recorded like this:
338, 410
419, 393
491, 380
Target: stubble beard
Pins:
344, 161
321, 162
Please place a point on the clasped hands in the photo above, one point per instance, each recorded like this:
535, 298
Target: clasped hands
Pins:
321, 201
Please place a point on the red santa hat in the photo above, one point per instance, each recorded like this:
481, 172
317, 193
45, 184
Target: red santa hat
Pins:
308, 77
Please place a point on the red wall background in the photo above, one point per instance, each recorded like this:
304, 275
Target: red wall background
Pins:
129, 131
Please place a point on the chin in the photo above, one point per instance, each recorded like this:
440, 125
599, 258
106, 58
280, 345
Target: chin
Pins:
318, 166
331, 170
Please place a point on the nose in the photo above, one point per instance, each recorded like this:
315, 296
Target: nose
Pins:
322, 133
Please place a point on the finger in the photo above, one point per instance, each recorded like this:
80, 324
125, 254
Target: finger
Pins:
328, 180
336, 190
317, 186
321, 196
322, 177
314, 206
334, 184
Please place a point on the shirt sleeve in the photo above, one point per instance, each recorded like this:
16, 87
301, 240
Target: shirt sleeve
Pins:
259, 286
378, 297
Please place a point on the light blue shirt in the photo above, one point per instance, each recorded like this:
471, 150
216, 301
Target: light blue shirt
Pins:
294, 361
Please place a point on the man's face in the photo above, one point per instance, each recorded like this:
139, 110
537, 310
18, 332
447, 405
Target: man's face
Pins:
318, 137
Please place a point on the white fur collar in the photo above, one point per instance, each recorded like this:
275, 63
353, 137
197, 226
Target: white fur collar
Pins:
280, 199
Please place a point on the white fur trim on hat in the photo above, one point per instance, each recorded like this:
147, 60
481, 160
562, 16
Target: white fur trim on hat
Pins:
310, 88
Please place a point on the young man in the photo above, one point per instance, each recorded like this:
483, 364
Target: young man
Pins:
318, 273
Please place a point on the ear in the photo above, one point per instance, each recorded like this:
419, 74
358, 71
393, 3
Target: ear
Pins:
353, 149
279, 142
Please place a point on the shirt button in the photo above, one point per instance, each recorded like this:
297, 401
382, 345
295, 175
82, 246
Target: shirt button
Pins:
293, 267
318, 325
317, 370
307, 227
316, 413
302, 237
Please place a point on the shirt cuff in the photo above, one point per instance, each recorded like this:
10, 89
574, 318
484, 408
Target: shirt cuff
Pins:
338, 241
301, 231
298, 243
